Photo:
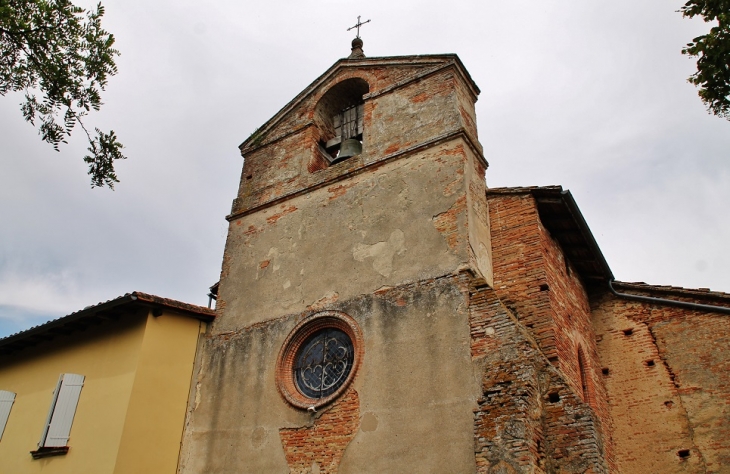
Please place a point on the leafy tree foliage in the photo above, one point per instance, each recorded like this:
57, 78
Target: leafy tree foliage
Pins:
59, 56
713, 54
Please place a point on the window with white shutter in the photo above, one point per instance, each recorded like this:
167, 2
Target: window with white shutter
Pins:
6, 403
63, 408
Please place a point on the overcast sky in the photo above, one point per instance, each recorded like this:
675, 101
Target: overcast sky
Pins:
589, 95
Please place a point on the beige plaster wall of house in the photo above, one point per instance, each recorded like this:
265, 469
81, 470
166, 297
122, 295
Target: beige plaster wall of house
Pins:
131, 410
107, 356
153, 426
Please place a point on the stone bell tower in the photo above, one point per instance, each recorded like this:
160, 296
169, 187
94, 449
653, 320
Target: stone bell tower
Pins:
348, 336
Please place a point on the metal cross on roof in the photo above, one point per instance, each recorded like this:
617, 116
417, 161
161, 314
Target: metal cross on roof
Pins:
358, 25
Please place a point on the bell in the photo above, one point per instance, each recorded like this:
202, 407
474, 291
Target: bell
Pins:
349, 147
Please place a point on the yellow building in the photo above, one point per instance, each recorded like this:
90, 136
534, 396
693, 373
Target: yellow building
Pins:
102, 390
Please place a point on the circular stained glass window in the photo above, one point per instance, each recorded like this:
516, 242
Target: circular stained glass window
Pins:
323, 363
319, 359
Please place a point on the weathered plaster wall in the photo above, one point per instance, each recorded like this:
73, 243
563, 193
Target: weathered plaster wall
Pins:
383, 237
466, 109
480, 237
398, 116
410, 207
411, 115
666, 372
404, 222
382, 75
410, 404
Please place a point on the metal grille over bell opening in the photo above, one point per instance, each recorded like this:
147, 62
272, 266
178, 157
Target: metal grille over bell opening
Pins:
348, 126
338, 117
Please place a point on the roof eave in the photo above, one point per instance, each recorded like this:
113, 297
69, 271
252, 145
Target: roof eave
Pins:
65, 324
596, 269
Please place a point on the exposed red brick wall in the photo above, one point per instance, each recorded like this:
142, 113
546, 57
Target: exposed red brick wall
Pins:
507, 423
574, 333
533, 278
325, 441
519, 269
573, 433
449, 225
668, 380
696, 349
528, 419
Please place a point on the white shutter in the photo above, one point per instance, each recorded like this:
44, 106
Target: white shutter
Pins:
6, 402
42, 442
63, 410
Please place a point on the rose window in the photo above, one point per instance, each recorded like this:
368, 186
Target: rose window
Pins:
323, 363
319, 359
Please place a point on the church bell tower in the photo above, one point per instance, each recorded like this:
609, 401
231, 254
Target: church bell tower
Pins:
348, 336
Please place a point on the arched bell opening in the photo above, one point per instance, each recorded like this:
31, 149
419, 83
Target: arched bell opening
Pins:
339, 119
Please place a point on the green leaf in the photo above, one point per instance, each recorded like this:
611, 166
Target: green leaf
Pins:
60, 52
713, 55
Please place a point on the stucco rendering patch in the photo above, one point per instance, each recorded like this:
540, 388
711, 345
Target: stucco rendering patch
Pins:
382, 253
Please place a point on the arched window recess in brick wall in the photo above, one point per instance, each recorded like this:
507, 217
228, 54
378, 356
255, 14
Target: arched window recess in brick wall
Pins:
584, 376
338, 117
